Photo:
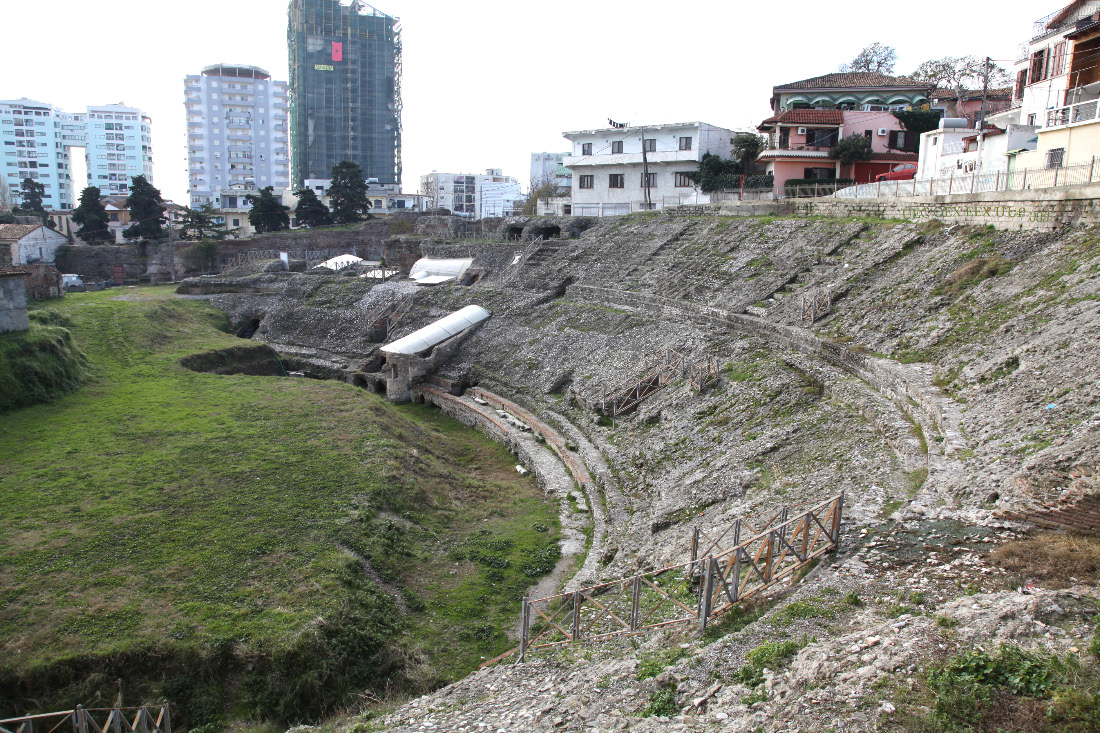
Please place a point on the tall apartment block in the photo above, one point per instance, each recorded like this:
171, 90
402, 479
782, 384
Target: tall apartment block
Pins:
37, 140
236, 131
345, 81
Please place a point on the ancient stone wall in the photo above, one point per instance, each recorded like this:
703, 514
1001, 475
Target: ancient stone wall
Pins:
1044, 209
13, 304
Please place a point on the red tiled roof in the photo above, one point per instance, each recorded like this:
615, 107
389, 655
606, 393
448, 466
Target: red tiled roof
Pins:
807, 117
893, 157
853, 80
16, 231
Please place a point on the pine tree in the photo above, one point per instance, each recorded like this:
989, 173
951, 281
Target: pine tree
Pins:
199, 224
267, 213
310, 211
92, 218
146, 210
348, 193
31, 193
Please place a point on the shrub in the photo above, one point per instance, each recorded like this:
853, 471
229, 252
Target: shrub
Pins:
760, 181
662, 703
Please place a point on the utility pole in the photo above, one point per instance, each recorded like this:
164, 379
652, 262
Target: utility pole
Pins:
645, 172
985, 90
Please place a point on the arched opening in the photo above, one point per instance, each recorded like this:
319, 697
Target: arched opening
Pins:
514, 232
248, 328
547, 232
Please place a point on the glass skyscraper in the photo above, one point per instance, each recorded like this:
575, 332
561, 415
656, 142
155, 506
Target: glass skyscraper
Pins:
345, 87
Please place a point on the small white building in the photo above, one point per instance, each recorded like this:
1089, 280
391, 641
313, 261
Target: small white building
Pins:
607, 164
961, 151
473, 196
31, 242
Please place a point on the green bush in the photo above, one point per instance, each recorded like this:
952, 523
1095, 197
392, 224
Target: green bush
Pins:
760, 181
662, 703
39, 364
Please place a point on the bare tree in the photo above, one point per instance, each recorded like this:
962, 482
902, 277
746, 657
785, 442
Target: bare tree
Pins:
875, 58
959, 74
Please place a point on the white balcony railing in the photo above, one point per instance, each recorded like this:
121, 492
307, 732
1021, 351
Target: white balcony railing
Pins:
1068, 115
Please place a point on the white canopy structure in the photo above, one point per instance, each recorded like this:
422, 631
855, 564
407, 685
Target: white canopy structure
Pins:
339, 262
431, 271
438, 332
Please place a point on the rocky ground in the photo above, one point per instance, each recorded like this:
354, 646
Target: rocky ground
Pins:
949, 384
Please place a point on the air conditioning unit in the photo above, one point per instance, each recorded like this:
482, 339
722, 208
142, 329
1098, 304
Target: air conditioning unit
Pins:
802, 131
882, 131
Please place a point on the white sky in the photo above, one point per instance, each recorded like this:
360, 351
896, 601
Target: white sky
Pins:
486, 83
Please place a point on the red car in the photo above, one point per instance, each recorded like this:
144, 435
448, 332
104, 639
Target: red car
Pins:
902, 172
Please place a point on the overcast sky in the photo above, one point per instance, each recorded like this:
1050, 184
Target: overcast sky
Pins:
488, 83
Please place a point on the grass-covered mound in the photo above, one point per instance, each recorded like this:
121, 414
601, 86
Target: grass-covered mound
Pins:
39, 364
245, 546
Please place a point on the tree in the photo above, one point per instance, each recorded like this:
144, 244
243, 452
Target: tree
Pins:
348, 192
267, 213
917, 121
548, 189
146, 210
959, 74
203, 254
311, 212
31, 193
851, 149
715, 174
875, 58
92, 218
200, 224
746, 147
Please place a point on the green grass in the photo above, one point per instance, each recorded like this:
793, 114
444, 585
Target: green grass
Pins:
39, 364
203, 536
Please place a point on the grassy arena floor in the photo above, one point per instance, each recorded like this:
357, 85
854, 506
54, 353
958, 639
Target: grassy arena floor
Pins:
159, 508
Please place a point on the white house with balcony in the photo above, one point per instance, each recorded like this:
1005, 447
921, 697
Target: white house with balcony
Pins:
1057, 90
614, 166
962, 152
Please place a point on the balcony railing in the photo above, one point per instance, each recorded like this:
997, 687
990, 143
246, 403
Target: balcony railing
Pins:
1080, 112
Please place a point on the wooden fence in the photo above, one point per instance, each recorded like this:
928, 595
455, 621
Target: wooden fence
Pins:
144, 719
657, 372
728, 571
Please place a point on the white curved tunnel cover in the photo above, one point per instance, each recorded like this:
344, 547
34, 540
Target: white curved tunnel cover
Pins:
432, 271
438, 332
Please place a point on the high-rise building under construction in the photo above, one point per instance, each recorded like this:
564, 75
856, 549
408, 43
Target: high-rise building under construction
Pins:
345, 87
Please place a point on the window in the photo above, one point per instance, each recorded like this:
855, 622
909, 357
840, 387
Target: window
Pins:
902, 140
1038, 68
1058, 60
819, 173
650, 145
616, 147
868, 133
1054, 157
586, 181
586, 148
649, 179
615, 180
1021, 82
685, 143
682, 181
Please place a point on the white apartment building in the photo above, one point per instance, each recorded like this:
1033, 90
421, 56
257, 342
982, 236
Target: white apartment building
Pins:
474, 196
236, 131
607, 164
37, 139
118, 145
1057, 90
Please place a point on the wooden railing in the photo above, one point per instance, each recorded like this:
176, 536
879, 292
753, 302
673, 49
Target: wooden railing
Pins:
696, 591
144, 719
660, 370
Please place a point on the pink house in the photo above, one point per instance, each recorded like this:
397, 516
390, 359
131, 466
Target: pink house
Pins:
811, 116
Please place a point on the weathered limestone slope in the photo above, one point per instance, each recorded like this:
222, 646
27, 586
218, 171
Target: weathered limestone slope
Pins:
952, 379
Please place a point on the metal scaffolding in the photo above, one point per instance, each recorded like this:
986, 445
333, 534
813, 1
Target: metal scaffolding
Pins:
345, 89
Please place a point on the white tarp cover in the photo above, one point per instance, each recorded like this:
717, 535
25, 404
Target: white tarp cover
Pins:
429, 267
339, 262
438, 332
434, 279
